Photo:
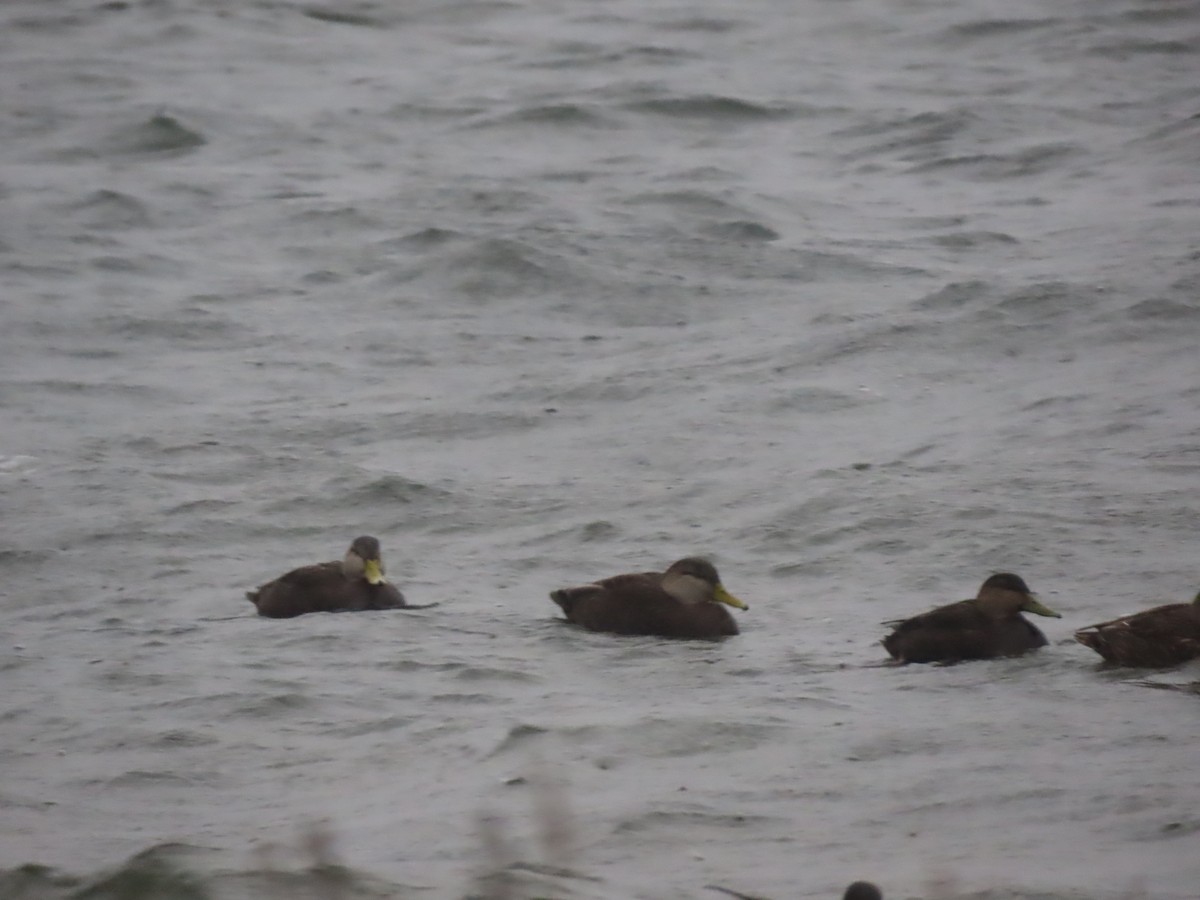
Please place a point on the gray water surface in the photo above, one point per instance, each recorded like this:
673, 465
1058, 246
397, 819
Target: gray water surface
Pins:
865, 300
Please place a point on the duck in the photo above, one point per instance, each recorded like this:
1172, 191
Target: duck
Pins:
1154, 638
860, 890
988, 626
352, 584
686, 601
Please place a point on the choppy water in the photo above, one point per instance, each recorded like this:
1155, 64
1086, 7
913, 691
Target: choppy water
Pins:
864, 299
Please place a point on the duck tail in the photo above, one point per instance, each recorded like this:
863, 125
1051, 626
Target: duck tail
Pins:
1087, 638
252, 596
889, 644
564, 597
1093, 640
1114, 648
569, 599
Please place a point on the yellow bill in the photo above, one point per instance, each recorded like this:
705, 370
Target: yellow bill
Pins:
372, 571
1034, 605
723, 596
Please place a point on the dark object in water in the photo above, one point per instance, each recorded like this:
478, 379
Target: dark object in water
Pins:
860, 890
353, 584
1155, 638
683, 602
991, 625
1191, 687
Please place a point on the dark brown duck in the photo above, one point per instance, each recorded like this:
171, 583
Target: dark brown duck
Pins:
1154, 638
988, 626
352, 584
860, 890
686, 601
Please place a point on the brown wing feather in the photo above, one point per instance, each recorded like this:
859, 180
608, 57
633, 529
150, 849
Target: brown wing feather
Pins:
960, 631
1153, 621
637, 604
964, 614
321, 588
1159, 637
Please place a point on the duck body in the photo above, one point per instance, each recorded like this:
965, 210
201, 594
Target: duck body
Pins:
686, 601
322, 587
988, 626
1154, 638
352, 584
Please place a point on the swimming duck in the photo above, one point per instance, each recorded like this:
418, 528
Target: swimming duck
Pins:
1156, 638
683, 602
990, 625
354, 583
860, 890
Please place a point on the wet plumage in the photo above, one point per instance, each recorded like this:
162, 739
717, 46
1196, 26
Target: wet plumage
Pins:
352, 584
686, 601
987, 626
1154, 638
